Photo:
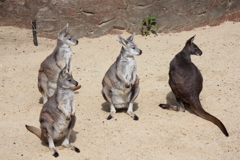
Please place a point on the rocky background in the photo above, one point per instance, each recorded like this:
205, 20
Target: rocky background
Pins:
93, 18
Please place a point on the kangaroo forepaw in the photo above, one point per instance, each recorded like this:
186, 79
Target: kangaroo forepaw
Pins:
68, 117
128, 85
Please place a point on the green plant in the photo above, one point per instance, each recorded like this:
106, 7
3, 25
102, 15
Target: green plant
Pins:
149, 25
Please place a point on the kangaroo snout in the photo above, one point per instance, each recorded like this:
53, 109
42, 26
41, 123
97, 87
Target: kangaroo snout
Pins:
76, 83
76, 42
199, 53
140, 52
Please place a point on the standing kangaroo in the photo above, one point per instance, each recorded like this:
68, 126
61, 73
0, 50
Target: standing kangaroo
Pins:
121, 83
57, 117
186, 81
54, 63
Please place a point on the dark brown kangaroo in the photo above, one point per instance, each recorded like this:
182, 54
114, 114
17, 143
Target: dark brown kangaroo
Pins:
186, 81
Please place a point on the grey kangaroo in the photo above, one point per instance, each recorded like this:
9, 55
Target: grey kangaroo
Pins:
57, 117
121, 83
186, 81
54, 63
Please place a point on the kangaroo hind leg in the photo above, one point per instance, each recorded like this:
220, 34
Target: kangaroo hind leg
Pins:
178, 107
135, 92
67, 138
42, 86
131, 113
52, 147
106, 95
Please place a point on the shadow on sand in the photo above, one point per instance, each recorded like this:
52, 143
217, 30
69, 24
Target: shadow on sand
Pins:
171, 99
106, 107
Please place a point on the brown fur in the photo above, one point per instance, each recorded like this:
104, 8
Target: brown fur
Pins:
186, 81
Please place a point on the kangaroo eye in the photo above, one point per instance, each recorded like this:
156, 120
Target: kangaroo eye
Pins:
133, 48
69, 39
69, 80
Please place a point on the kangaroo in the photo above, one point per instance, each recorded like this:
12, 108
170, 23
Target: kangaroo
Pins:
121, 83
53, 64
57, 117
186, 81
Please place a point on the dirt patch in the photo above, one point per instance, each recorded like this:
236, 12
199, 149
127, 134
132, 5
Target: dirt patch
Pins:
159, 134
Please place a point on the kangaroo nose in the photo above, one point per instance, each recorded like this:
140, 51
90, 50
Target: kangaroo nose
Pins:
199, 53
76, 84
76, 42
140, 52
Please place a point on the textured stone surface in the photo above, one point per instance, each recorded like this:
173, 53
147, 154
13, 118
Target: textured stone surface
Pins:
93, 18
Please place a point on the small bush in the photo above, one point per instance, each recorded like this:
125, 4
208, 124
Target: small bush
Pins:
149, 25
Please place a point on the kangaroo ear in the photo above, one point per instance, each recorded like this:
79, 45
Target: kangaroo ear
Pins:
131, 37
190, 41
63, 72
122, 41
63, 31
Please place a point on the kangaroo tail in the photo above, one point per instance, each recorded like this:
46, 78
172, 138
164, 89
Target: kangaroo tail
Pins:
35, 131
197, 107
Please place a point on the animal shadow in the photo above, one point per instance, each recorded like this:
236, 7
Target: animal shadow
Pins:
171, 99
106, 107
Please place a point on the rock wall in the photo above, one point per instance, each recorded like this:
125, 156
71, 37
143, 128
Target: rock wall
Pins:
93, 18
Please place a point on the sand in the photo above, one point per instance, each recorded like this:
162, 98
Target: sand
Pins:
158, 134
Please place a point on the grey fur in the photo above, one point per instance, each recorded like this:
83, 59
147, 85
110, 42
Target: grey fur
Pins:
54, 63
57, 117
121, 83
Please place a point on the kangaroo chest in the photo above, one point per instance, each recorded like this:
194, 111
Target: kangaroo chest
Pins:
67, 100
66, 54
61, 126
128, 69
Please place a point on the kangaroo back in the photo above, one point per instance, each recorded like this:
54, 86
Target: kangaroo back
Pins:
186, 80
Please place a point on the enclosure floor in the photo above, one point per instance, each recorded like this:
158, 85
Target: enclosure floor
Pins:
158, 134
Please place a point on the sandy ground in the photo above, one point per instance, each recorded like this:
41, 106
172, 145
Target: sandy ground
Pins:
159, 134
